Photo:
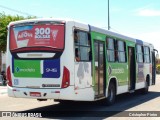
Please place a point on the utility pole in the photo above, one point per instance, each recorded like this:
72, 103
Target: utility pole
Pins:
108, 17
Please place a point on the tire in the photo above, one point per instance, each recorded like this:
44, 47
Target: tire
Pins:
146, 88
110, 100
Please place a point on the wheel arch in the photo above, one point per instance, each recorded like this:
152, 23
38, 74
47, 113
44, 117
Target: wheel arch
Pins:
115, 82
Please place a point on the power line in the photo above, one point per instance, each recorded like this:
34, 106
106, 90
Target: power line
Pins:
24, 13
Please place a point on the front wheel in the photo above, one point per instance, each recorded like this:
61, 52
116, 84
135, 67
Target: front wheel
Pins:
111, 94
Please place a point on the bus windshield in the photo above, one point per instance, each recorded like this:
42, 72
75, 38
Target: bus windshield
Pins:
37, 35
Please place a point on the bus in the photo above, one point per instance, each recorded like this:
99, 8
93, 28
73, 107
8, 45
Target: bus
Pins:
69, 60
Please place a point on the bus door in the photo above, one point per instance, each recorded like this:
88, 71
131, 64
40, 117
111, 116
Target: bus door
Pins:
153, 68
99, 65
131, 68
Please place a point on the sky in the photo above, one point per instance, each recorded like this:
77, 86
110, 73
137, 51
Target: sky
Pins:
139, 19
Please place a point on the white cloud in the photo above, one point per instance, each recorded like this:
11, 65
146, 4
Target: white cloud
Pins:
148, 12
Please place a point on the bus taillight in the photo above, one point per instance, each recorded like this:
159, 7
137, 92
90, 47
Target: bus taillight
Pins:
66, 78
9, 80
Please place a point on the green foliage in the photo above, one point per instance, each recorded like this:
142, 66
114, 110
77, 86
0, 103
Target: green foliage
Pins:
158, 69
4, 21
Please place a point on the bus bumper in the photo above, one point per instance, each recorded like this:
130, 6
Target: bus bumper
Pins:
61, 94
33, 93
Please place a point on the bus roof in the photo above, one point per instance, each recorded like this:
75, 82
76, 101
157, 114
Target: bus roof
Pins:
110, 33
91, 28
39, 19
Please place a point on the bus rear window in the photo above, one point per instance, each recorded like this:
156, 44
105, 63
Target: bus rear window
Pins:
46, 35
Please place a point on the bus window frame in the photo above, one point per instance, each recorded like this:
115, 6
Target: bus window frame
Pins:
114, 50
124, 43
138, 53
79, 46
147, 54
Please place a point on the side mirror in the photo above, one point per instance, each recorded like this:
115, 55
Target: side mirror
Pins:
157, 56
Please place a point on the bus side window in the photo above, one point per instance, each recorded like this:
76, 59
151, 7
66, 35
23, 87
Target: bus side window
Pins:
82, 46
90, 51
77, 57
139, 50
76, 37
146, 54
111, 54
121, 53
76, 43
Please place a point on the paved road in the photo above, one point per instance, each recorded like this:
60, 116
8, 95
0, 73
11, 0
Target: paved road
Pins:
124, 102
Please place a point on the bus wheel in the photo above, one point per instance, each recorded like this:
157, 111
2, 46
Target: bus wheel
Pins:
146, 88
111, 94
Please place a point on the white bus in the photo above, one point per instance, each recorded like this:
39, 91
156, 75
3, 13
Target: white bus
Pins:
69, 60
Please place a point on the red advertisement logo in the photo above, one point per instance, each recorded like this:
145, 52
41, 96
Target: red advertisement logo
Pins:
25, 34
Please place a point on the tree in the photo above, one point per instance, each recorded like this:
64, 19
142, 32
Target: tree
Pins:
158, 66
4, 21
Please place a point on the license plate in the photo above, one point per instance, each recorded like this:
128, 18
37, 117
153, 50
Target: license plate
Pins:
35, 94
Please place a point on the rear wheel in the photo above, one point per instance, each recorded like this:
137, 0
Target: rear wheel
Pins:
111, 94
146, 88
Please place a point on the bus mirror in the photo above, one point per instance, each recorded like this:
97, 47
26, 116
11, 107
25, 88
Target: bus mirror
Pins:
157, 56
